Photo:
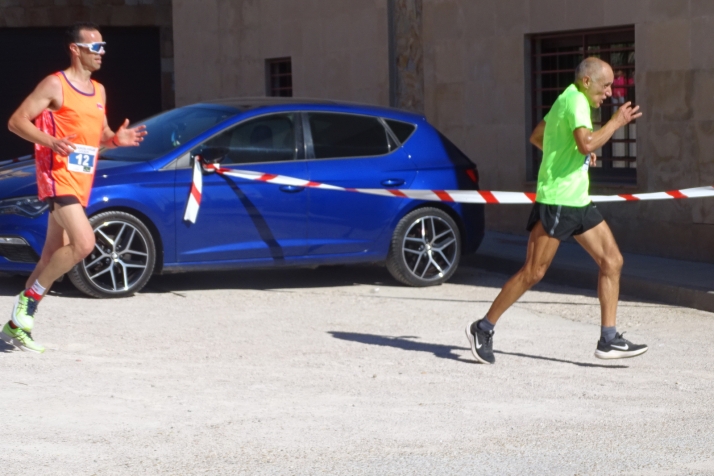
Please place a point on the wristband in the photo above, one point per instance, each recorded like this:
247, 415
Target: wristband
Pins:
114, 143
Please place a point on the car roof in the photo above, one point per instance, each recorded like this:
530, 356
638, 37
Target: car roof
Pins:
249, 103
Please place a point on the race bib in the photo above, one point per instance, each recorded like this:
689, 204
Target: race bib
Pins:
82, 159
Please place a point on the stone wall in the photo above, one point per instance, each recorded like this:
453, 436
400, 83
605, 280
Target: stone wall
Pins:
338, 48
475, 91
53, 13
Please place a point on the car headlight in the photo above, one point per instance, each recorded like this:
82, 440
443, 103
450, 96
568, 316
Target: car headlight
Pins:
30, 207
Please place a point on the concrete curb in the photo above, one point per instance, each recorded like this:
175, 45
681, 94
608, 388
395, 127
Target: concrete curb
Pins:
582, 278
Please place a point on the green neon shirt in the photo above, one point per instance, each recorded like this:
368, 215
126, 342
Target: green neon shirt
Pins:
563, 176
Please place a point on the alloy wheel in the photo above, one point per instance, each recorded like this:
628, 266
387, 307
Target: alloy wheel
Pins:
430, 248
120, 257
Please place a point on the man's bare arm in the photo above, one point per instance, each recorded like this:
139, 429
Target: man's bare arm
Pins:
47, 94
537, 135
589, 141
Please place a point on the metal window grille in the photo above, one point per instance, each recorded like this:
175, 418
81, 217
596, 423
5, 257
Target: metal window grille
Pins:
553, 60
279, 77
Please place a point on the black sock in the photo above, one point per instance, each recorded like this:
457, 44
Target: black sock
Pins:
485, 325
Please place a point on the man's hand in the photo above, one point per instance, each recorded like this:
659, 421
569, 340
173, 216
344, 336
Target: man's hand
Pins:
626, 114
593, 159
129, 137
62, 146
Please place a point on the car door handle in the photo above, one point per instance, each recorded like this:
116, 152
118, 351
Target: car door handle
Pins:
392, 182
291, 188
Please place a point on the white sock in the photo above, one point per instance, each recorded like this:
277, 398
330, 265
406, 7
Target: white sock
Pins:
38, 289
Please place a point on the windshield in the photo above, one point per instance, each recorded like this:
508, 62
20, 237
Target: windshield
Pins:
170, 129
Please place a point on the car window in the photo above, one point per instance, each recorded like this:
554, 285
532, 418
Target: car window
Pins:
347, 135
263, 139
170, 129
402, 130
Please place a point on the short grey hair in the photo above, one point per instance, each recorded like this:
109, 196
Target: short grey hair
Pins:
591, 67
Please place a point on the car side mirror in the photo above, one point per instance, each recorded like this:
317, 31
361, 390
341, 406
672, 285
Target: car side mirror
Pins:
213, 155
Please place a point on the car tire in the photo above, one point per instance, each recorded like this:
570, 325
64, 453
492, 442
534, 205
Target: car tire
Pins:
123, 258
425, 248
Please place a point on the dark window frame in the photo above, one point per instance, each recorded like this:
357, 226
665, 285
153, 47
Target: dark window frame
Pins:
552, 58
392, 142
299, 139
279, 77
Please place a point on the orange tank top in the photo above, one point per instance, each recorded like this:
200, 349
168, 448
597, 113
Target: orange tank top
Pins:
81, 115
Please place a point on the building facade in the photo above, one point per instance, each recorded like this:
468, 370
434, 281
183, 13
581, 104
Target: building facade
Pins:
485, 72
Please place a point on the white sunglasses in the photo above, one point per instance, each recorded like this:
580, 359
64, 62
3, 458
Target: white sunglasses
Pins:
96, 47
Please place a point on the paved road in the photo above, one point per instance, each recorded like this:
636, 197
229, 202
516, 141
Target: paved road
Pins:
341, 371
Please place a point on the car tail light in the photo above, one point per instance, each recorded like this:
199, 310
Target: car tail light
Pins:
473, 175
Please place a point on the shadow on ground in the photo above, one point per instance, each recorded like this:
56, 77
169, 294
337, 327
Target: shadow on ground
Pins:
6, 348
446, 351
404, 343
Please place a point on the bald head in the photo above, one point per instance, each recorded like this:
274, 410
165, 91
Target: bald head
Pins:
594, 77
591, 67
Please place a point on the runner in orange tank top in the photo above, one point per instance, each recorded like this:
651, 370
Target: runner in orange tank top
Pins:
82, 117
68, 108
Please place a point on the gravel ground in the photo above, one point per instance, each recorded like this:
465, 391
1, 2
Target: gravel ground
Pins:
342, 371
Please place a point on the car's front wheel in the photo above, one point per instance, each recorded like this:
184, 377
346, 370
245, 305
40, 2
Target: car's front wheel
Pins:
123, 258
425, 248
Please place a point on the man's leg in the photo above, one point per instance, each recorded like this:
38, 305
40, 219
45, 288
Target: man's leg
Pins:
23, 310
600, 244
56, 239
541, 250
17, 331
65, 221
72, 219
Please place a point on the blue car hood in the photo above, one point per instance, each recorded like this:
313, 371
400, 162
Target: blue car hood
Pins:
17, 177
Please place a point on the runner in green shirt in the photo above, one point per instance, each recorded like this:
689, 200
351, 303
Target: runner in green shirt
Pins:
563, 208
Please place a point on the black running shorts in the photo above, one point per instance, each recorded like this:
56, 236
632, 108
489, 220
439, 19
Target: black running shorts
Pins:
61, 201
562, 222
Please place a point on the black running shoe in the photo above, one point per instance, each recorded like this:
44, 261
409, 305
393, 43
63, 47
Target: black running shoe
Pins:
481, 343
618, 348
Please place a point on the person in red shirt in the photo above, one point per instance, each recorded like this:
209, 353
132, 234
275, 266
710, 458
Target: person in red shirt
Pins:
619, 87
71, 125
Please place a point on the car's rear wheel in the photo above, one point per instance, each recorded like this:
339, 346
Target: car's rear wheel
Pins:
123, 258
425, 248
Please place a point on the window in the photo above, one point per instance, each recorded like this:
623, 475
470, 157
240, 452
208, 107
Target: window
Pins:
264, 139
279, 77
347, 135
171, 129
552, 63
402, 130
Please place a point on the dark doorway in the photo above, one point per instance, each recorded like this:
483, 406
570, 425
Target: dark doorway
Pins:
131, 74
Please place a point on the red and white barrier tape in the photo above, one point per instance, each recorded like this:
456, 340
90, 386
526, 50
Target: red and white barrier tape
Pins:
455, 196
194, 197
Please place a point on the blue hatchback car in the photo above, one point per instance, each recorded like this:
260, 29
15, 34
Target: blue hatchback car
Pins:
140, 195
